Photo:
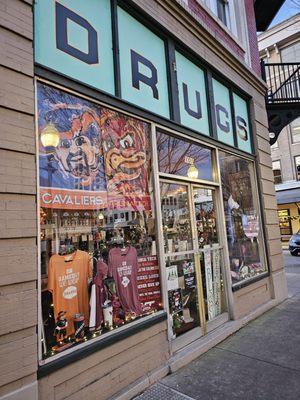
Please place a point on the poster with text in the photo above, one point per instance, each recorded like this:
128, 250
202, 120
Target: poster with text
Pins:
149, 283
90, 157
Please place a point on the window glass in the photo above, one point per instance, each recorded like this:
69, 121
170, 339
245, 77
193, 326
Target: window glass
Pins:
181, 157
276, 166
295, 130
176, 217
99, 266
222, 10
285, 222
297, 162
243, 224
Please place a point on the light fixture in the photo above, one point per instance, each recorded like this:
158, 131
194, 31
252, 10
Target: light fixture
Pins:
271, 135
101, 216
192, 172
50, 136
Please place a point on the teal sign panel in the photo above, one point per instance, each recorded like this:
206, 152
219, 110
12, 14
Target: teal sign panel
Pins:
242, 125
223, 113
142, 66
192, 95
74, 37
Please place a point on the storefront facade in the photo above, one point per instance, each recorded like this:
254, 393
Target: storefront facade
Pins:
152, 225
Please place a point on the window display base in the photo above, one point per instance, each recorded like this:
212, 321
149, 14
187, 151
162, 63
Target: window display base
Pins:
100, 344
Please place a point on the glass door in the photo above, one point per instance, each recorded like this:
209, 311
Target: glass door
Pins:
205, 213
192, 257
180, 257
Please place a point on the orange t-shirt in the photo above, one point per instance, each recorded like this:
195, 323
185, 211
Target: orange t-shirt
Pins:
68, 281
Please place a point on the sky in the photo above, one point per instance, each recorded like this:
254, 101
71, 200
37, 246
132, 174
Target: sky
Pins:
287, 10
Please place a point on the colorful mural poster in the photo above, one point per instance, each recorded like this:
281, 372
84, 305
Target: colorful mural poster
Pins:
90, 157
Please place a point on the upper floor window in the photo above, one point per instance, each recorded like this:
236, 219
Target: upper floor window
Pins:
297, 163
224, 10
295, 130
277, 171
291, 54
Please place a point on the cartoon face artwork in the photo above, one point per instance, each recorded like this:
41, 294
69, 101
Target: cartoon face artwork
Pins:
125, 152
79, 149
100, 154
77, 161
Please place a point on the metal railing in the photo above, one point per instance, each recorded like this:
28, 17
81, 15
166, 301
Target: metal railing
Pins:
283, 80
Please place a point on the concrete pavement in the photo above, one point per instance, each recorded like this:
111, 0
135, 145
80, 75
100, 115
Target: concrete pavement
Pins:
260, 362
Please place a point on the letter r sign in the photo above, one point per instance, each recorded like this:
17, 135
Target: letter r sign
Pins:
74, 38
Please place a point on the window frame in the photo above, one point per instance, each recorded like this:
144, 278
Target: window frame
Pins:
295, 164
69, 355
263, 251
274, 161
292, 133
289, 222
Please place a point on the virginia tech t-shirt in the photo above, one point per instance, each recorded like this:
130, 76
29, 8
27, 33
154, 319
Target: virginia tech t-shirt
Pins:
68, 282
123, 266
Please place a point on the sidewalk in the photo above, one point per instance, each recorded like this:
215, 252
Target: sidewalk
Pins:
260, 362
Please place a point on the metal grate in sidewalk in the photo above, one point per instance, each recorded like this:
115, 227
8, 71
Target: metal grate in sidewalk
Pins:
161, 392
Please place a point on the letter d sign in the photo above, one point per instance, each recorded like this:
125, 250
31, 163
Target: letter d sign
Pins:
74, 38
62, 16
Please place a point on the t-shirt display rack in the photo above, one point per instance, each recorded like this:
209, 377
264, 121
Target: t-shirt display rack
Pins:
89, 286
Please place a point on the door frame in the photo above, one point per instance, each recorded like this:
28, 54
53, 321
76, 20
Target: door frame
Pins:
183, 340
205, 326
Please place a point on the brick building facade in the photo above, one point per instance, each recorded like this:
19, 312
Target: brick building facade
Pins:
121, 363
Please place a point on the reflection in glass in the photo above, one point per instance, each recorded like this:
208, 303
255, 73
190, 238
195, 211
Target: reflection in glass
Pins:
180, 157
206, 224
205, 216
182, 293
244, 235
176, 218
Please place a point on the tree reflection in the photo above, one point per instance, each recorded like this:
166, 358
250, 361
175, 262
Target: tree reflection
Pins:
176, 155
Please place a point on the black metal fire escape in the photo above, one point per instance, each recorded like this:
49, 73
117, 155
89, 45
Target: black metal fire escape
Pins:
283, 95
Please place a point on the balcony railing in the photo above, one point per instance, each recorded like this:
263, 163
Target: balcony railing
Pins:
283, 80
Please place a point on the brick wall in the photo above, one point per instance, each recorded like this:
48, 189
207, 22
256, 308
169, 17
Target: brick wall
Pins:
252, 36
217, 31
18, 253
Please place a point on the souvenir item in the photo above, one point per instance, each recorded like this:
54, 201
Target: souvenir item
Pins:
108, 314
60, 331
68, 282
123, 266
79, 327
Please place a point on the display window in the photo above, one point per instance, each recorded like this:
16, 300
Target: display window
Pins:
98, 255
183, 158
243, 225
285, 223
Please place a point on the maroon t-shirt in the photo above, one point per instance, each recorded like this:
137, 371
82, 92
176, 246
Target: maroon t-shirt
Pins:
123, 266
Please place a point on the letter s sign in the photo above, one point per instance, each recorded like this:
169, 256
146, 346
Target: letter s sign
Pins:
74, 38
242, 124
